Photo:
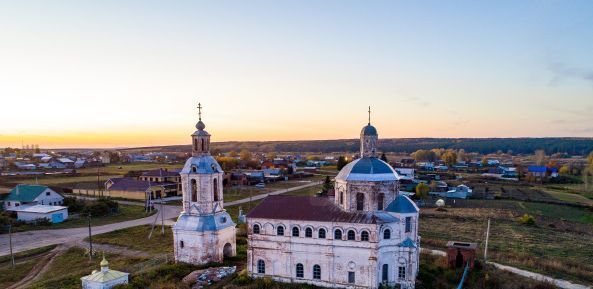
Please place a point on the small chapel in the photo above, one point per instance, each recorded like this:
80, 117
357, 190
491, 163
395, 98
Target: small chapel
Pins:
204, 232
363, 236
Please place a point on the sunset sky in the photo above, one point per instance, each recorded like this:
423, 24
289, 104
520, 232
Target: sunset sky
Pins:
131, 73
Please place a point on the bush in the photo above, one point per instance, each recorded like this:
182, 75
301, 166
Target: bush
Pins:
528, 220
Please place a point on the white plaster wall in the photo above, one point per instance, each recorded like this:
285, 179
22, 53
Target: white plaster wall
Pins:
203, 247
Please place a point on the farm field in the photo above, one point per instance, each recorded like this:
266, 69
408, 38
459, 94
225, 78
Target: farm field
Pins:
24, 262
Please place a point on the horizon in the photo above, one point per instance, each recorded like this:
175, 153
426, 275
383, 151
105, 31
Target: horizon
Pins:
115, 74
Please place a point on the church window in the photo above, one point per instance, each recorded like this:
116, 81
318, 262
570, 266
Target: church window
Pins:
308, 233
364, 236
181, 244
408, 224
387, 234
195, 144
295, 232
401, 273
194, 191
316, 272
360, 202
203, 147
280, 231
380, 200
341, 198
351, 235
215, 185
322, 233
256, 229
261, 267
385, 273
194, 169
351, 277
337, 234
300, 270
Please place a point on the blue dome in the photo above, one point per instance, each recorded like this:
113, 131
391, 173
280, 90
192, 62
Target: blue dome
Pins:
402, 205
367, 169
369, 130
202, 164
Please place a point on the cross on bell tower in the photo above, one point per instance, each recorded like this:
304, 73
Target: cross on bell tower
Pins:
200, 111
369, 115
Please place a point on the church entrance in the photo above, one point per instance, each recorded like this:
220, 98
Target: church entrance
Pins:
459, 260
227, 251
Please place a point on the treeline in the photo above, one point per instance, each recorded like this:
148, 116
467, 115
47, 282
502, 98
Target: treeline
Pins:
572, 146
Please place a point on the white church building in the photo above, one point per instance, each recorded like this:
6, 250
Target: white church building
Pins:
364, 236
204, 231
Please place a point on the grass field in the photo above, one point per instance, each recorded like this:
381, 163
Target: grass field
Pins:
24, 263
549, 248
126, 213
68, 267
158, 244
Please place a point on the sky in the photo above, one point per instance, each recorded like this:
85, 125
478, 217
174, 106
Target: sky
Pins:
123, 73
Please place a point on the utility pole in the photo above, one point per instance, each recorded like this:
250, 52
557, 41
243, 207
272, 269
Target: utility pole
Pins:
486, 246
98, 182
90, 240
162, 217
10, 244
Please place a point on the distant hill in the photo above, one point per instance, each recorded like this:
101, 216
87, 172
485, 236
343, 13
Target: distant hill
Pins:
573, 146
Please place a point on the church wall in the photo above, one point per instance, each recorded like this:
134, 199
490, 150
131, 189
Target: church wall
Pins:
203, 247
371, 191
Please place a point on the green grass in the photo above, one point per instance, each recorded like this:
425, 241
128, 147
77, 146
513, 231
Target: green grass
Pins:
562, 252
68, 267
569, 197
136, 238
24, 261
126, 213
125, 168
559, 212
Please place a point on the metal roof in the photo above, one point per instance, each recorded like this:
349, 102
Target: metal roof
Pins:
369, 130
403, 205
204, 223
40, 209
25, 193
309, 208
203, 164
408, 243
368, 169
161, 173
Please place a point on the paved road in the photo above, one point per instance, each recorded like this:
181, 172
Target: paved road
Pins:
34, 239
558, 282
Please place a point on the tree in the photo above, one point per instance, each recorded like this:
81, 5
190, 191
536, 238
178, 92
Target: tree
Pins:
484, 161
540, 157
422, 191
449, 157
342, 161
233, 154
462, 156
384, 158
424, 155
564, 170
245, 155
327, 185
271, 155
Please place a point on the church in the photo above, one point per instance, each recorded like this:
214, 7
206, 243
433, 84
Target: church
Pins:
204, 232
363, 236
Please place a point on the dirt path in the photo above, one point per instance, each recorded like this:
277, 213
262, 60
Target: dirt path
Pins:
558, 282
39, 269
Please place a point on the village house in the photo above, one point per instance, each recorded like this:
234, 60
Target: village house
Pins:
30, 195
364, 236
132, 188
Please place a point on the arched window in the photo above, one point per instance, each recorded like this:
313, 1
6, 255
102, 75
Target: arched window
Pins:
181, 244
387, 234
308, 233
351, 235
280, 231
195, 144
408, 224
194, 190
194, 169
316, 272
385, 273
295, 232
256, 229
261, 267
364, 236
300, 271
338, 234
203, 147
341, 198
321, 233
360, 202
215, 186
380, 200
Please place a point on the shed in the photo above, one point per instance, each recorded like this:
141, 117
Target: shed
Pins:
55, 214
461, 253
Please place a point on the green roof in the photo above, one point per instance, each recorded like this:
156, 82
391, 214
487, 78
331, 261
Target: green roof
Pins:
103, 277
25, 193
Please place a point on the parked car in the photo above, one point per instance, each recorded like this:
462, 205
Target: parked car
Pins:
260, 185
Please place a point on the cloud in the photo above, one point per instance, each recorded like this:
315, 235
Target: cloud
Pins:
563, 71
417, 101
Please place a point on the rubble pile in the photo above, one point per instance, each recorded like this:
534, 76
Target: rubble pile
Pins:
208, 276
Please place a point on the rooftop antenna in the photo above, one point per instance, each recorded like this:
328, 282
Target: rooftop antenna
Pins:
369, 115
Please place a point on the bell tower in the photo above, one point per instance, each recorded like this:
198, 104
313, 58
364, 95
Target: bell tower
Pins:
368, 140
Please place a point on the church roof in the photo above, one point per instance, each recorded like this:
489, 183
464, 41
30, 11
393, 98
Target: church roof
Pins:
367, 169
369, 130
204, 223
408, 243
309, 208
204, 165
402, 205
